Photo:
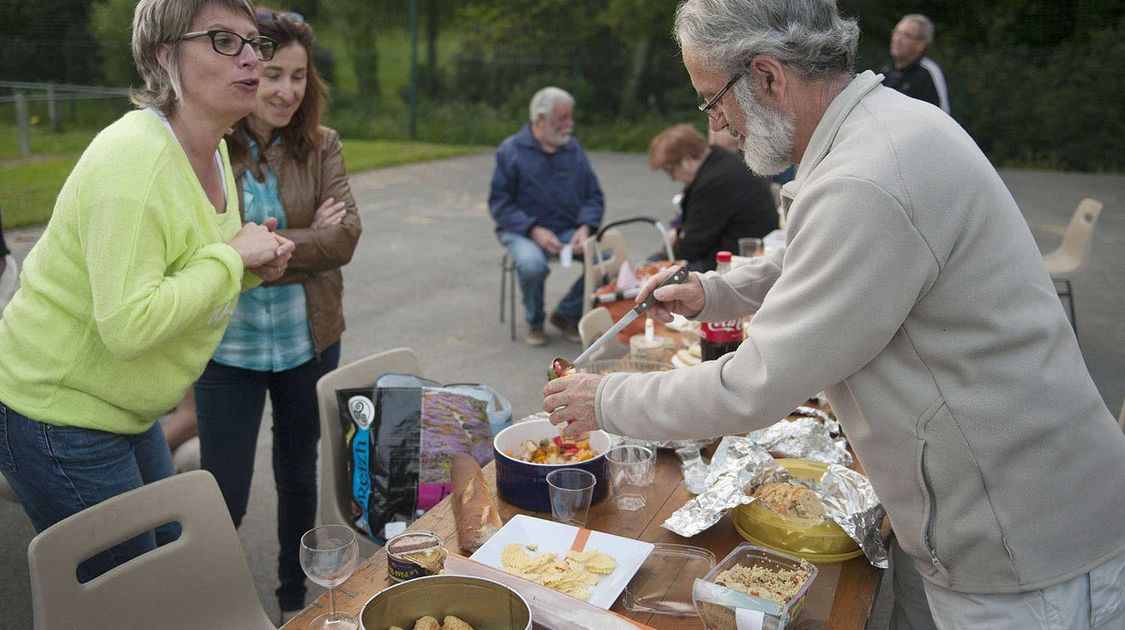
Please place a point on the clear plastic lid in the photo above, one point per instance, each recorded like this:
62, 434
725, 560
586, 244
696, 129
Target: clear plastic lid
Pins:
663, 584
718, 604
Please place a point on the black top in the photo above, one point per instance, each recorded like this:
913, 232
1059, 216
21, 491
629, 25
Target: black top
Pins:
913, 81
726, 202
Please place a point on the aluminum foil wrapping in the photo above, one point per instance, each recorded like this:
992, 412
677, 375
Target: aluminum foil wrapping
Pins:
738, 463
741, 464
812, 412
804, 438
850, 501
690, 453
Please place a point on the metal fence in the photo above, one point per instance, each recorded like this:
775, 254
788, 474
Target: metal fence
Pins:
52, 94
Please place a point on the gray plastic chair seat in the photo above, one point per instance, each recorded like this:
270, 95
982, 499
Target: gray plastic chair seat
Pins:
200, 580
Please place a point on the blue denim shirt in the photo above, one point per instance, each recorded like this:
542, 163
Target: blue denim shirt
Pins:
530, 187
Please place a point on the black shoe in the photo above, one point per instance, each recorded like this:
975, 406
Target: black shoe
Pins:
569, 330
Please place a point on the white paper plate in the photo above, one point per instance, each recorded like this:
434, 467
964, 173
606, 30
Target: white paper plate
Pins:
557, 538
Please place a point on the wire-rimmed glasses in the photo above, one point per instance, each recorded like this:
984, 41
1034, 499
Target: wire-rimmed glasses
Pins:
230, 44
709, 106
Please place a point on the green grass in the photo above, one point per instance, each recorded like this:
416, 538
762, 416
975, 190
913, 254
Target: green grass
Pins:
43, 142
365, 155
28, 187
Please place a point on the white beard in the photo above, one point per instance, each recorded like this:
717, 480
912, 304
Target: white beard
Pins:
767, 146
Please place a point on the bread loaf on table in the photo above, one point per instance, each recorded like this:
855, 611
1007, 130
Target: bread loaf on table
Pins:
474, 507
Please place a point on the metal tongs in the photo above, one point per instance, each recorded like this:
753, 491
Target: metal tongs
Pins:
562, 367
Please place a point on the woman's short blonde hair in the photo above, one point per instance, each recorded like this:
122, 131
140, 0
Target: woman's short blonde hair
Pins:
157, 22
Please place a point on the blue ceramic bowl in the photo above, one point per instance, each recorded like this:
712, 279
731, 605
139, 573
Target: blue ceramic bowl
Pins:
524, 484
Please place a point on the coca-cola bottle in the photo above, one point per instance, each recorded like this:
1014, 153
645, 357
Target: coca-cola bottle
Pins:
719, 338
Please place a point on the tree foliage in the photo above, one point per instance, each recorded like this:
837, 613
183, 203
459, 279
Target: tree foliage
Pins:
111, 26
1029, 79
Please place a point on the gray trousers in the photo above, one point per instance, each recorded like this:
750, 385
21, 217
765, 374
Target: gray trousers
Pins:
1091, 601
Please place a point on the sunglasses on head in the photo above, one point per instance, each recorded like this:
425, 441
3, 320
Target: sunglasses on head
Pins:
265, 15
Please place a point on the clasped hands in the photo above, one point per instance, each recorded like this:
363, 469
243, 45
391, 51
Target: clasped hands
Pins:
552, 245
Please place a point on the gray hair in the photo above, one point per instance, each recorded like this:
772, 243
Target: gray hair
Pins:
546, 99
809, 36
924, 23
164, 22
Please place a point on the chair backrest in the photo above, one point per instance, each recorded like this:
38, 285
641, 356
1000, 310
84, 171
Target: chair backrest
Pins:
199, 580
592, 325
775, 192
1077, 239
335, 485
610, 248
9, 280
6, 492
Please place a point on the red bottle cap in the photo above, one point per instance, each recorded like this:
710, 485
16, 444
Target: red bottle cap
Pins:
722, 257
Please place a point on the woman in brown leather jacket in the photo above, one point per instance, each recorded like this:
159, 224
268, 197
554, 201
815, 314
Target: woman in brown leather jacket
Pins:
284, 336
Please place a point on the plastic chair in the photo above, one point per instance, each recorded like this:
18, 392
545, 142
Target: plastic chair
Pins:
1073, 253
606, 251
200, 580
508, 289
6, 492
593, 325
335, 484
9, 281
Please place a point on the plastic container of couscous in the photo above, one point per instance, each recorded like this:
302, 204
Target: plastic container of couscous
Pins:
755, 585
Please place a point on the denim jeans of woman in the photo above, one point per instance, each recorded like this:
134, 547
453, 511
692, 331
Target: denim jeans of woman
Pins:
229, 403
57, 471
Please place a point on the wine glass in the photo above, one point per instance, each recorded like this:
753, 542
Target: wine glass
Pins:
329, 555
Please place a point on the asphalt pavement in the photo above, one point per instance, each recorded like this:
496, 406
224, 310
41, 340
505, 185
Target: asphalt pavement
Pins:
426, 275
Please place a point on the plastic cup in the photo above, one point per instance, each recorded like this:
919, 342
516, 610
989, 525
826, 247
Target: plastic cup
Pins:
750, 247
631, 471
571, 490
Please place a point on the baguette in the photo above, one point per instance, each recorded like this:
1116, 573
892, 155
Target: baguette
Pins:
474, 507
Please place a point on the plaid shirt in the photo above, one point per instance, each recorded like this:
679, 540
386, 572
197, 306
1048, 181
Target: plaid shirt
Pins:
270, 330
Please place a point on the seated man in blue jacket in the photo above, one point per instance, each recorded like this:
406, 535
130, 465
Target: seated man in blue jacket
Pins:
544, 197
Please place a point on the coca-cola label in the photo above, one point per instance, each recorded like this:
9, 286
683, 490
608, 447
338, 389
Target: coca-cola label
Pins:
729, 331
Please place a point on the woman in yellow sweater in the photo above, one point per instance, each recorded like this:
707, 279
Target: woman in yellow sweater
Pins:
130, 288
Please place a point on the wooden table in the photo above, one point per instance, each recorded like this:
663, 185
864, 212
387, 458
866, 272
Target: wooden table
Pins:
842, 597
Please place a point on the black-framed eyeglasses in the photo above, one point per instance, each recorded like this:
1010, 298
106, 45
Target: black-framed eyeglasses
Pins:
265, 15
707, 107
231, 44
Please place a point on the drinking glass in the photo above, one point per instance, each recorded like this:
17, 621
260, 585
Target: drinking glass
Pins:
571, 490
750, 247
631, 471
329, 555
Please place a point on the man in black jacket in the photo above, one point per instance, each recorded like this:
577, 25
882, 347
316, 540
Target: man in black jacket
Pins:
909, 70
722, 201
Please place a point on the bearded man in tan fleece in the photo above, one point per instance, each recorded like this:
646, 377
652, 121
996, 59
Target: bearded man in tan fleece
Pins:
910, 290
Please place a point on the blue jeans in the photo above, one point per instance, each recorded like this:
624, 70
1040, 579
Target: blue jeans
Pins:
229, 403
532, 270
57, 471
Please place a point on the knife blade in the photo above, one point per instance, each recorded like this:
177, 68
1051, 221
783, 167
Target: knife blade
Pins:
679, 276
